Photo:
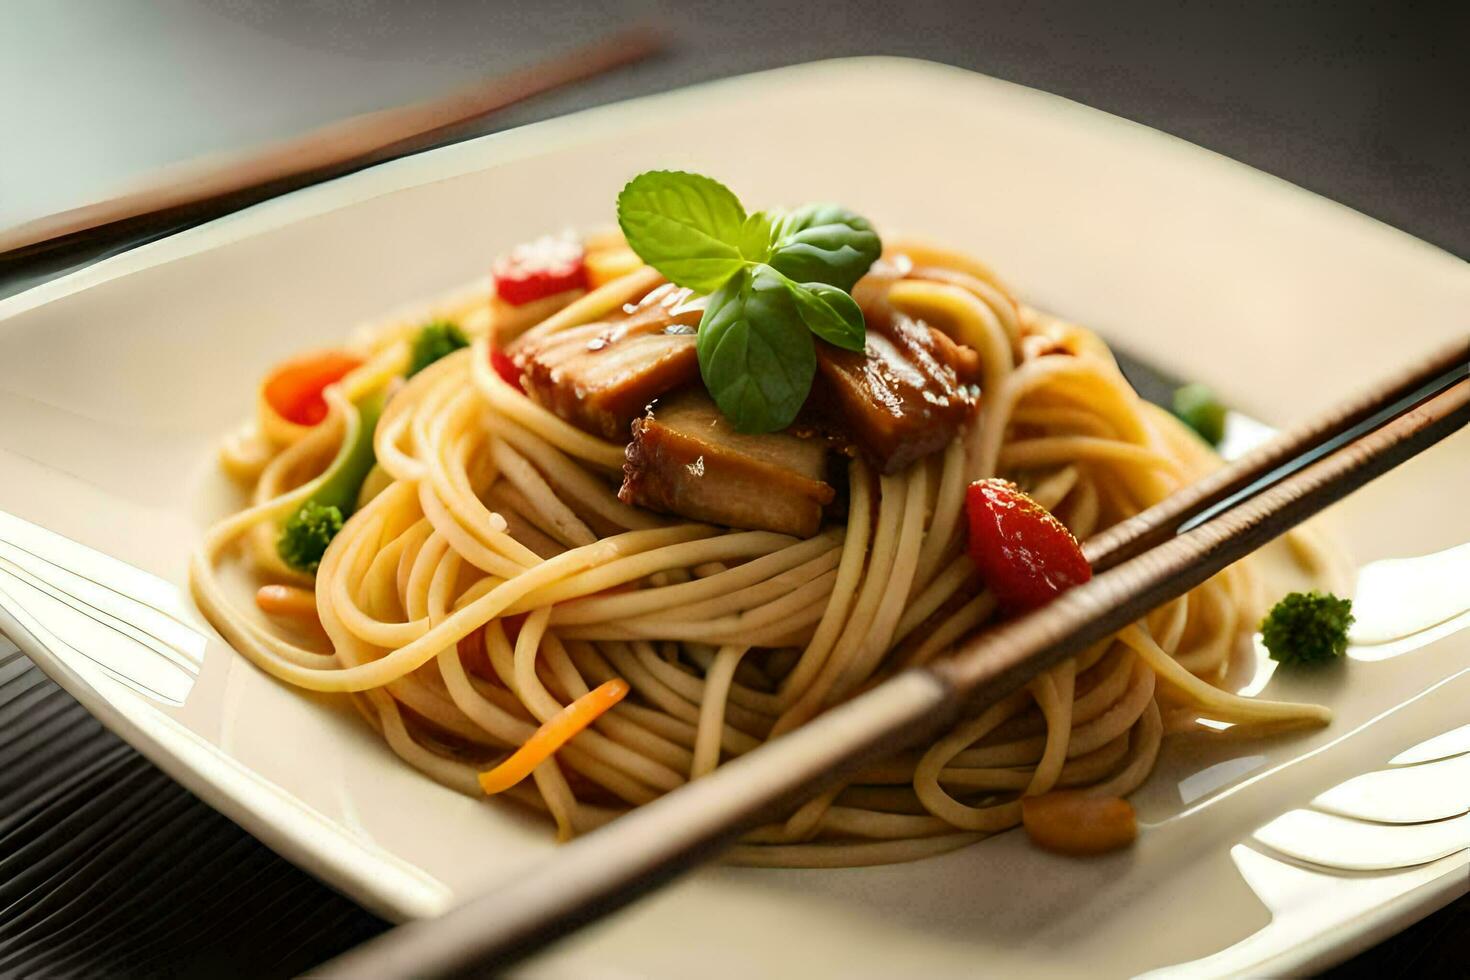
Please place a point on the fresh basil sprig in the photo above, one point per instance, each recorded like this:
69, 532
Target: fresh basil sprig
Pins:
775, 278
823, 243
756, 363
686, 226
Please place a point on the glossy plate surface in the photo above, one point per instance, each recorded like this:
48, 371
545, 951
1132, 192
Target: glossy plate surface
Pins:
1257, 856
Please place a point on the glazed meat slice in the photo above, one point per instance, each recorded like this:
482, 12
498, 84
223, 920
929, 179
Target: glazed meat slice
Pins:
601, 376
905, 396
686, 459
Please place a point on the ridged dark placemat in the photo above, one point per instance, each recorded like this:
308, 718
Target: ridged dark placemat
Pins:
110, 868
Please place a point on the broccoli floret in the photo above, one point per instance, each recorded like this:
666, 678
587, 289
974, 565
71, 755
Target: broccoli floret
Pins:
1307, 628
435, 340
1199, 409
306, 534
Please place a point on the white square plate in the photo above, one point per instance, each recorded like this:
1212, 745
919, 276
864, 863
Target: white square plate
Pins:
116, 381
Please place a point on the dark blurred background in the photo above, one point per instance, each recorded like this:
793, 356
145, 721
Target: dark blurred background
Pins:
107, 867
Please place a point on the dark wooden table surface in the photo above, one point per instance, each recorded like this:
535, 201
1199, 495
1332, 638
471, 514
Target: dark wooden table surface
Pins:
109, 868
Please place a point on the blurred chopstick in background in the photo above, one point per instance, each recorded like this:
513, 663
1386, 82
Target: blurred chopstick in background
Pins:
194, 192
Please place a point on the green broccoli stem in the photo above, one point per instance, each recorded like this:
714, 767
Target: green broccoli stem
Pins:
308, 530
343, 479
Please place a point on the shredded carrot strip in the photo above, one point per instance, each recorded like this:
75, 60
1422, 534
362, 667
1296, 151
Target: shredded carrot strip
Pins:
558, 731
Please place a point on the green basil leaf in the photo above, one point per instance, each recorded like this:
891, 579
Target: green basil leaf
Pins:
824, 243
756, 356
755, 237
830, 313
686, 226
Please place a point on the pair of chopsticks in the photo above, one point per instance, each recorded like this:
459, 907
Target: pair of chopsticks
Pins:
1140, 564
196, 192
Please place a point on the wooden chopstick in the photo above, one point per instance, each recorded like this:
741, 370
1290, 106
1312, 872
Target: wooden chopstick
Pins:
1008, 657
610, 867
196, 191
1150, 527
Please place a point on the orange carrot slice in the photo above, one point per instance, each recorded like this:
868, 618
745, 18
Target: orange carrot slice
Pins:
294, 389
551, 736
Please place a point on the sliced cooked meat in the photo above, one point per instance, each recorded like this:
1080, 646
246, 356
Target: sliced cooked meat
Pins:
601, 376
963, 361
905, 396
686, 459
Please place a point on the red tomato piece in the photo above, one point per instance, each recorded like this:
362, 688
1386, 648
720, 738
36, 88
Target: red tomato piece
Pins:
1025, 555
294, 389
549, 265
506, 368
